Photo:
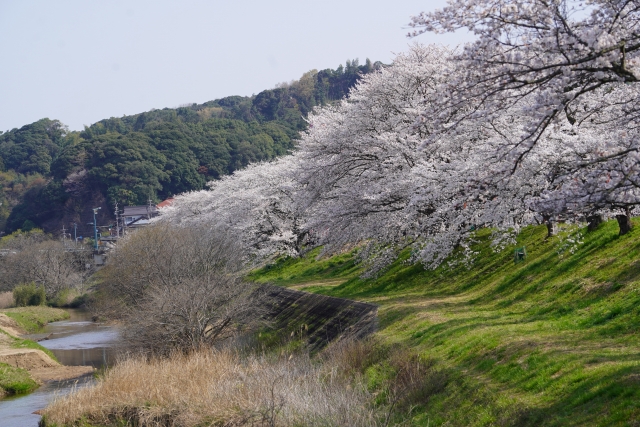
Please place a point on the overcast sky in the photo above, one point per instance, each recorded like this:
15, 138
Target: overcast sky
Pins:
83, 61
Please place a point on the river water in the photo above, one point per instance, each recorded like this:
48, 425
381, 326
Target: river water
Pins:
77, 341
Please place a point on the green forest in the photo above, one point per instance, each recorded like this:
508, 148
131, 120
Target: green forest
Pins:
51, 177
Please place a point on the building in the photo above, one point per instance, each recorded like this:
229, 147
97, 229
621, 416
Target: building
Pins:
166, 203
138, 216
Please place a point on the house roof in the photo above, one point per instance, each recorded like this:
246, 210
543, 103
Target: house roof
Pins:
166, 203
139, 210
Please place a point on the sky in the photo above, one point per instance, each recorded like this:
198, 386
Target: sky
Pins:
84, 61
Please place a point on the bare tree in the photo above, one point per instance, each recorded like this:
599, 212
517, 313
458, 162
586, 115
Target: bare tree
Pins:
33, 258
178, 288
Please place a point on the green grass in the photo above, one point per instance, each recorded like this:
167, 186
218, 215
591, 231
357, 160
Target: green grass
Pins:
549, 341
22, 343
34, 318
287, 270
15, 380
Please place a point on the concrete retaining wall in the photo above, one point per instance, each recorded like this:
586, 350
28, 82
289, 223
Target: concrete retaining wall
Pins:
320, 318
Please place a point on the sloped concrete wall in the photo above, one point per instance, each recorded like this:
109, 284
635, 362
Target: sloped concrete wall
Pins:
320, 318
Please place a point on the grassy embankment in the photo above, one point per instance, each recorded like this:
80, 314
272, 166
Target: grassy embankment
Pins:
549, 341
14, 380
33, 319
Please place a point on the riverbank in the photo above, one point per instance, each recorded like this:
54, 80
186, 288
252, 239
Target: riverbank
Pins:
24, 364
551, 340
221, 388
32, 319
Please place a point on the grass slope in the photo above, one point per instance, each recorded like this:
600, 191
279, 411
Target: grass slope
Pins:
549, 341
15, 380
34, 318
23, 343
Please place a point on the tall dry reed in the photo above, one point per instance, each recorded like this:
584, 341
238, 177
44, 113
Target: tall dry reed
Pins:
220, 388
6, 299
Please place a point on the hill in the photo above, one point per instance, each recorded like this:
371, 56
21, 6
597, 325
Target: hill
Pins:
50, 177
552, 340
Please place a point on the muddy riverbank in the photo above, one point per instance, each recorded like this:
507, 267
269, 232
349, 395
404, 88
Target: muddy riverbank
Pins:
80, 345
20, 354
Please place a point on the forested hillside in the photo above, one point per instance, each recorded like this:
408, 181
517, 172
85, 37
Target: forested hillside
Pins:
50, 177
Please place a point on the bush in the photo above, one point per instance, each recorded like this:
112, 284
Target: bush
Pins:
29, 294
80, 301
353, 357
33, 258
179, 289
64, 298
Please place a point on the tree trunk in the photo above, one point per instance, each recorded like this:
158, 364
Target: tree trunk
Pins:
624, 222
552, 228
593, 222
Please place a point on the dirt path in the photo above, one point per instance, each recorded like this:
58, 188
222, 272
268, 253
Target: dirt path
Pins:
10, 326
317, 283
36, 362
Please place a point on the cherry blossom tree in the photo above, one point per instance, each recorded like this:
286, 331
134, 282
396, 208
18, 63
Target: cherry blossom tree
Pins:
535, 120
354, 162
255, 203
467, 188
362, 177
561, 64
539, 49
599, 169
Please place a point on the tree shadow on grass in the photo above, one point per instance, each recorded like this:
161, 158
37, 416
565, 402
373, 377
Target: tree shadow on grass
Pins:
607, 400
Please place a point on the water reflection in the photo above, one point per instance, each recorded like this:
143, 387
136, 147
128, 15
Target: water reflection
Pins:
17, 411
77, 341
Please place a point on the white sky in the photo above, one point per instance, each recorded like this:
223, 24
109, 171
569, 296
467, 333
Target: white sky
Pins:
83, 61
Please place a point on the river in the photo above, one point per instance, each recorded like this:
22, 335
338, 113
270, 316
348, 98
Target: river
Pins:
77, 341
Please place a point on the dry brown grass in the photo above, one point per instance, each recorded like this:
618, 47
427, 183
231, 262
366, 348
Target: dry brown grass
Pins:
6, 299
223, 389
353, 357
404, 378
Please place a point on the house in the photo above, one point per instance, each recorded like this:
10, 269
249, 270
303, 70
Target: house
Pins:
138, 216
132, 217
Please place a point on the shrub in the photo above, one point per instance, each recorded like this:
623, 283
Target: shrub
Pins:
64, 298
179, 288
33, 258
353, 357
29, 294
80, 300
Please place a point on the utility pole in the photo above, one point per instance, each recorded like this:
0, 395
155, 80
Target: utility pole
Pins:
64, 236
117, 222
75, 234
149, 204
95, 229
